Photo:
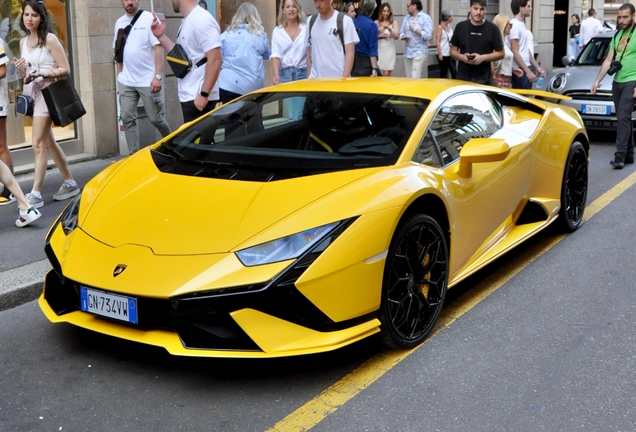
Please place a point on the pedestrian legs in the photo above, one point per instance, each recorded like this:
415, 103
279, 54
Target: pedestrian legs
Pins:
154, 109
128, 100
623, 94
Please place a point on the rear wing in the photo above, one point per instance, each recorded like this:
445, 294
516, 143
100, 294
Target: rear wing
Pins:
536, 96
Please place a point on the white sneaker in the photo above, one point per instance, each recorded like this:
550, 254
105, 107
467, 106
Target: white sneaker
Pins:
34, 201
31, 215
66, 192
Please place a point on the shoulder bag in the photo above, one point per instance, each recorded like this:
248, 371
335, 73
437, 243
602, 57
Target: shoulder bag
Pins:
63, 102
180, 63
122, 34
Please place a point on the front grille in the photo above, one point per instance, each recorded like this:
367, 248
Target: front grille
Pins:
599, 124
586, 95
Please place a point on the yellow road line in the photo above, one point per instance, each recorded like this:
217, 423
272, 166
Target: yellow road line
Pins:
311, 413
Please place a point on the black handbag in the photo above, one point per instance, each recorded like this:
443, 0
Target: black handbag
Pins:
180, 63
24, 104
63, 102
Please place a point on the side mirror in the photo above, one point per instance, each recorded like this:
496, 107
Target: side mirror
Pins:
568, 60
481, 150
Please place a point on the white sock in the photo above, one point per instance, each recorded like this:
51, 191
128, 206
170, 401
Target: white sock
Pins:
36, 194
71, 182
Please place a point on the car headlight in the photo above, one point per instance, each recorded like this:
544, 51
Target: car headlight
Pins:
557, 83
68, 218
284, 248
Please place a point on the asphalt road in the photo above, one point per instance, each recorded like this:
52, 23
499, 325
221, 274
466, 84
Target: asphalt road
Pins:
553, 348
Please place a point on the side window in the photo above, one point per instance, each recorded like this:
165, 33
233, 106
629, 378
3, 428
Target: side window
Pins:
462, 118
426, 153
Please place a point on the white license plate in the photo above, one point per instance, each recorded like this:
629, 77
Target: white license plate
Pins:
596, 109
109, 305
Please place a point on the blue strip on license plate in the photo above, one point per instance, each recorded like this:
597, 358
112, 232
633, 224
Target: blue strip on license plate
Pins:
109, 305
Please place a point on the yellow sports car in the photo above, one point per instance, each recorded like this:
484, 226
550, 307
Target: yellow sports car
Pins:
304, 217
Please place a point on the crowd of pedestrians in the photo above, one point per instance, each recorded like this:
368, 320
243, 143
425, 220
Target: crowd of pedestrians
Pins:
226, 65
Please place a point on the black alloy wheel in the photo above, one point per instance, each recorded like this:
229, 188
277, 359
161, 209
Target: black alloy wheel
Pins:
574, 188
415, 280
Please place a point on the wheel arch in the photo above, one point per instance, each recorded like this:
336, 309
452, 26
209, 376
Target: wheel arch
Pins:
580, 137
433, 206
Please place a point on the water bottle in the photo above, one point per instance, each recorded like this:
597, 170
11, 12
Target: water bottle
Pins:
539, 81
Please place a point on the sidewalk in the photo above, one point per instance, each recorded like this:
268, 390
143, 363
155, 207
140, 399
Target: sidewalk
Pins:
23, 263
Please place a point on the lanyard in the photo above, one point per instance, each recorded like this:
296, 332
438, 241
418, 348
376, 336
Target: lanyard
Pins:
626, 43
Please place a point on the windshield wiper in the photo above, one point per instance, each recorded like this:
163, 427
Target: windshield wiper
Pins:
173, 152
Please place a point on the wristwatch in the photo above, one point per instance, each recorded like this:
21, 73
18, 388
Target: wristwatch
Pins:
204, 93
158, 77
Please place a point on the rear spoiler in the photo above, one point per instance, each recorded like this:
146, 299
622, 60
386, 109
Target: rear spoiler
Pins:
538, 95
541, 94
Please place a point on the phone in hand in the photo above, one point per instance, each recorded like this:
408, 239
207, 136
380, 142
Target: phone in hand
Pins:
30, 79
470, 56
159, 16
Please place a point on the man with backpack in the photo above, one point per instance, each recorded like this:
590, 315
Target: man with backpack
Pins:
139, 71
331, 38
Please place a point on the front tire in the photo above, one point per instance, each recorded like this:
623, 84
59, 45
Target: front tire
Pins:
574, 188
415, 281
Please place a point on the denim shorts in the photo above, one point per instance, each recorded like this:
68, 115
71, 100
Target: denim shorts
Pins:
292, 74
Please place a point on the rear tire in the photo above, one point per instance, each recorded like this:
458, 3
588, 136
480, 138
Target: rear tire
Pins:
574, 188
415, 281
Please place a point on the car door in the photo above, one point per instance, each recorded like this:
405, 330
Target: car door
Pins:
482, 204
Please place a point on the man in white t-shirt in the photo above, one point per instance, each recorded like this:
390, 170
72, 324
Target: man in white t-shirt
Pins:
519, 45
326, 56
140, 74
590, 27
200, 37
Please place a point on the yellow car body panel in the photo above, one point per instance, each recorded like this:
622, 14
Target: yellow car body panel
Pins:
258, 207
170, 275
181, 236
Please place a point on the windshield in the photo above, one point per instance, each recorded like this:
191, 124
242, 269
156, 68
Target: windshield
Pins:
277, 135
594, 52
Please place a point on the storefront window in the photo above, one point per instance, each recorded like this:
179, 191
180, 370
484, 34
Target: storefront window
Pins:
19, 127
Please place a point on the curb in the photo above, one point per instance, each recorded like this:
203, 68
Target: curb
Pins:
22, 284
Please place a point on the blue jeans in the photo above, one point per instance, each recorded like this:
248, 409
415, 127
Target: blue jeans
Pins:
521, 82
293, 106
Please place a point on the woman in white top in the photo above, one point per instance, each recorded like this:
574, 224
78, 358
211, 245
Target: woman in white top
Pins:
289, 53
503, 70
442, 41
42, 60
388, 30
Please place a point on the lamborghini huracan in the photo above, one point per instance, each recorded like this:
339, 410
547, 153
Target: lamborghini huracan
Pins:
307, 216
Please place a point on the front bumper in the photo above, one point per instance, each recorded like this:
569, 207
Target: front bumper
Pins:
592, 121
197, 330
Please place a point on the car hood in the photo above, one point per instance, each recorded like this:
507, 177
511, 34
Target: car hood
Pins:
582, 78
184, 215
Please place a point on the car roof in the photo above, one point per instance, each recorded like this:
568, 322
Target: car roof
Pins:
427, 89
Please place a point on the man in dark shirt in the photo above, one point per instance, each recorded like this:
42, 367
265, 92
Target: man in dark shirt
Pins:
366, 60
475, 44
